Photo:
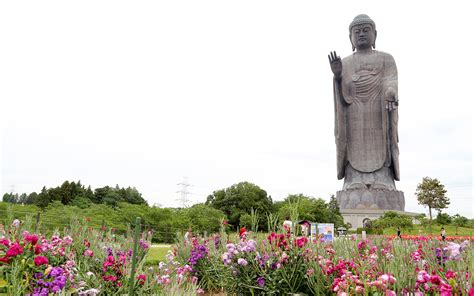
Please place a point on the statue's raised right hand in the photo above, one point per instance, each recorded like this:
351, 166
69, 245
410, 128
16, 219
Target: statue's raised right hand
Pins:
336, 64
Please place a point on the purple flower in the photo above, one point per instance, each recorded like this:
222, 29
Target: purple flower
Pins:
144, 245
53, 282
217, 241
261, 281
242, 261
230, 248
198, 252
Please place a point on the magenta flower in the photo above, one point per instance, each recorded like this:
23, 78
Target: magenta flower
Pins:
41, 260
4, 242
31, 238
261, 281
15, 250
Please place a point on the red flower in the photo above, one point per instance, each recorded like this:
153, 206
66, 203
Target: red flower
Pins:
32, 238
141, 279
37, 249
243, 231
15, 250
41, 260
4, 259
4, 242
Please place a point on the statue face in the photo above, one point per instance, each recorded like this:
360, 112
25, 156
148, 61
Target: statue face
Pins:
363, 36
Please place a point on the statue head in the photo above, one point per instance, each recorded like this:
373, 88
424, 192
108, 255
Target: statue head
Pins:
362, 32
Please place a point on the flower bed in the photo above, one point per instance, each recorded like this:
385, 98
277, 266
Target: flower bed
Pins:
280, 263
82, 261
85, 261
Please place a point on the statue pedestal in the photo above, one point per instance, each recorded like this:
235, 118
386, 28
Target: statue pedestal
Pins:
360, 205
376, 199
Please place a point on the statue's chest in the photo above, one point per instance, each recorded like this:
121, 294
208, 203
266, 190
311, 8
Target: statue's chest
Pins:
369, 63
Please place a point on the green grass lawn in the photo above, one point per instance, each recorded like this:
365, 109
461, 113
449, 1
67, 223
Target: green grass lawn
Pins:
435, 230
156, 254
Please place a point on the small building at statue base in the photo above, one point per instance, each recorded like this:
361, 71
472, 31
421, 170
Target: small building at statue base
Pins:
360, 217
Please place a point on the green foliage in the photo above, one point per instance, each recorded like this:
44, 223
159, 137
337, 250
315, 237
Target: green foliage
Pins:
272, 222
72, 193
246, 220
239, 199
311, 209
393, 219
255, 218
202, 218
333, 205
443, 219
459, 220
163, 222
431, 193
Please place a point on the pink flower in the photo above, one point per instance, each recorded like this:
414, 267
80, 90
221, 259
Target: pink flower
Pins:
450, 274
41, 260
31, 238
4, 242
15, 250
88, 253
67, 240
359, 289
301, 241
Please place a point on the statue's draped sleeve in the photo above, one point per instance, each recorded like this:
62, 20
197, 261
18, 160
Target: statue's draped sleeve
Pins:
391, 81
340, 129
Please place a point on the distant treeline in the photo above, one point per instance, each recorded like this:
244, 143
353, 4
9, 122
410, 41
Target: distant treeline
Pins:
76, 194
242, 204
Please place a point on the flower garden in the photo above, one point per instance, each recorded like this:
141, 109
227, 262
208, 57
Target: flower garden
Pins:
86, 261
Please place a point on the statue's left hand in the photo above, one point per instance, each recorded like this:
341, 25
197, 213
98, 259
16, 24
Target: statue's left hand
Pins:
391, 99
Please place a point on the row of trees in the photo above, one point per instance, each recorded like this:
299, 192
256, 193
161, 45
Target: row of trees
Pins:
76, 194
236, 204
164, 223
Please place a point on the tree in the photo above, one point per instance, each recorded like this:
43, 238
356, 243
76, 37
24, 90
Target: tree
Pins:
443, 219
431, 193
311, 209
238, 199
459, 221
10, 197
333, 205
393, 219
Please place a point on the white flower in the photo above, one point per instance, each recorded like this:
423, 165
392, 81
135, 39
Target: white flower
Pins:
16, 223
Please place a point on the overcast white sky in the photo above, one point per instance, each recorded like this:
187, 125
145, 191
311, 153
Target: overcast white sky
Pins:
143, 93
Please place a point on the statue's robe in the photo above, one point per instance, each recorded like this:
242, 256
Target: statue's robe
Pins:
366, 134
